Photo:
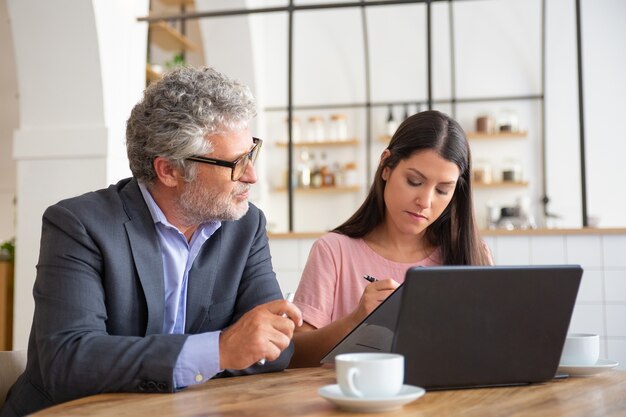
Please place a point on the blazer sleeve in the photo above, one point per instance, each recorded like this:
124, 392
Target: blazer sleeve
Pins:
258, 284
76, 354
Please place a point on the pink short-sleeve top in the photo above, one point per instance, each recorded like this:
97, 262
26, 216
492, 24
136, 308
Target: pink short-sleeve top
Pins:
332, 281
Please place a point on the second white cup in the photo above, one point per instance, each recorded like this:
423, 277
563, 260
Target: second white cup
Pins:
581, 349
370, 374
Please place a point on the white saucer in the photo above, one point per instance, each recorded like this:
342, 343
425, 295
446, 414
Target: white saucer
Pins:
585, 370
407, 394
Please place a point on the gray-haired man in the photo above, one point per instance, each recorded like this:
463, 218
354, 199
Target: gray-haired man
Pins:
165, 279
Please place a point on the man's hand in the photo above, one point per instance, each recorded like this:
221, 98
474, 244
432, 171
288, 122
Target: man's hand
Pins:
261, 333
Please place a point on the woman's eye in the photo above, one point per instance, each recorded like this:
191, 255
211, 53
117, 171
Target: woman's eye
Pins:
414, 183
443, 192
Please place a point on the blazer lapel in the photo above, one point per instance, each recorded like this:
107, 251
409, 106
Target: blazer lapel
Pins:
146, 254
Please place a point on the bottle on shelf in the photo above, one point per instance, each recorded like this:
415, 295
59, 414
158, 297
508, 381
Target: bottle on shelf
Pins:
315, 129
350, 176
391, 124
338, 173
406, 111
304, 171
328, 177
316, 173
338, 127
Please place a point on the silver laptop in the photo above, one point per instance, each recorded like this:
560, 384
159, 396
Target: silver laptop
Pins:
473, 326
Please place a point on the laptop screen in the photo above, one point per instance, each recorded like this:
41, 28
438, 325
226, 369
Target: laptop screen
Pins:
484, 326
472, 326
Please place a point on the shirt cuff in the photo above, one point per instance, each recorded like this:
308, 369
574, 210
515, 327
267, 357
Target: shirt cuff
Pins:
199, 359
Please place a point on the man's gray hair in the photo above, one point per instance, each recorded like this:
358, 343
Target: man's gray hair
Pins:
178, 112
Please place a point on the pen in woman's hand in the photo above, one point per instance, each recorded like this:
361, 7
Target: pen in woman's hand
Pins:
369, 278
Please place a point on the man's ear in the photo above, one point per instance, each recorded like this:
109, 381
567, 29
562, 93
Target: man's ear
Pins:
166, 172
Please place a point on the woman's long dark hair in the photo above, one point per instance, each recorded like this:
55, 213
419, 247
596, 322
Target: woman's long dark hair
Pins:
455, 231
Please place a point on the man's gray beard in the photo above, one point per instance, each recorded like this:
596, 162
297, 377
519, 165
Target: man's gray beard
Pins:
197, 205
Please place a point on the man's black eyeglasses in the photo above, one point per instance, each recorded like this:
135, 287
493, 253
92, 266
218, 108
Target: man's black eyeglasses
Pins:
238, 166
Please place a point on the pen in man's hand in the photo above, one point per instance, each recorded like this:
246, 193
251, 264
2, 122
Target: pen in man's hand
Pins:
369, 278
288, 297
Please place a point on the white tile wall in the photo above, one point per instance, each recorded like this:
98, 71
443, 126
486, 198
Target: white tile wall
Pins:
616, 350
615, 323
512, 250
615, 285
614, 251
285, 254
584, 250
601, 303
547, 250
588, 318
591, 287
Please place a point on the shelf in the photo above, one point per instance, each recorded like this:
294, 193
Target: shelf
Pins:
323, 190
167, 37
497, 135
326, 143
178, 2
501, 184
152, 74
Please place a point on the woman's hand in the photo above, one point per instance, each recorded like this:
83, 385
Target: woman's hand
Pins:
374, 294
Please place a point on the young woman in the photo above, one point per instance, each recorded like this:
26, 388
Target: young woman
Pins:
418, 211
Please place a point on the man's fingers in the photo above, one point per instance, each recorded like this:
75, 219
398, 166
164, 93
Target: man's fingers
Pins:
286, 308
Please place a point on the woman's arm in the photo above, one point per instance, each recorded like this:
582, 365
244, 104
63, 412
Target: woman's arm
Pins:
311, 343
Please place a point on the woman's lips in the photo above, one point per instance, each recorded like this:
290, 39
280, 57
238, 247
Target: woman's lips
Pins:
417, 216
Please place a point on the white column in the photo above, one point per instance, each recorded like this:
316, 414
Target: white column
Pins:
80, 68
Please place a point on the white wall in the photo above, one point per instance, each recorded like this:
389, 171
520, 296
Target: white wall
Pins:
78, 76
8, 122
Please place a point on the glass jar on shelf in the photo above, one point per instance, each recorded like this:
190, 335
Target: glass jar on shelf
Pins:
511, 171
315, 129
296, 131
484, 124
338, 127
482, 172
507, 121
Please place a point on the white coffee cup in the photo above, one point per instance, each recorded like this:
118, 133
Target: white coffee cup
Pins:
370, 374
581, 349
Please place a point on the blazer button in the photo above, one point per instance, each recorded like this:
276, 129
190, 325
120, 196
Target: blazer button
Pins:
162, 387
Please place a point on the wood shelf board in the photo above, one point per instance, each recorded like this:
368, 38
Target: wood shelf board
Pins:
167, 37
322, 190
326, 143
177, 2
500, 184
151, 74
484, 232
497, 135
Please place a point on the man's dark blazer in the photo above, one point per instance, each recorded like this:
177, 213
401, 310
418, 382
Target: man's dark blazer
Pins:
99, 298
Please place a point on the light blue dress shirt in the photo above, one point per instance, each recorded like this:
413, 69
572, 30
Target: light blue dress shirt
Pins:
199, 359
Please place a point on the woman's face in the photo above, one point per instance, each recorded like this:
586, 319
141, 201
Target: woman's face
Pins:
418, 190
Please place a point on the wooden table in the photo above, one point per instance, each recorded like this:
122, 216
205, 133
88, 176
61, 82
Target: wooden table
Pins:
294, 393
